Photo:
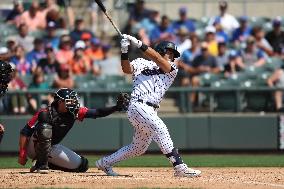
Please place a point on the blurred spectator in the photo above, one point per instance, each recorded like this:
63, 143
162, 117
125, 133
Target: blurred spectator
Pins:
80, 64
234, 63
49, 65
162, 32
151, 22
221, 35
51, 40
18, 9
277, 80
210, 38
79, 30
66, 5
222, 58
98, 19
95, 52
33, 18
228, 22
241, 34
38, 82
64, 78
37, 53
22, 65
24, 39
109, 65
182, 39
65, 52
18, 102
183, 21
11, 44
87, 38
252, 55
260, 41
276, 37
49, 5
138, 12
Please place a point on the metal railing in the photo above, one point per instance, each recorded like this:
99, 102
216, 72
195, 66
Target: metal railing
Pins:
180, 94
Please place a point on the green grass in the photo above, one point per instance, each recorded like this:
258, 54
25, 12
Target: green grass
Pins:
274, 160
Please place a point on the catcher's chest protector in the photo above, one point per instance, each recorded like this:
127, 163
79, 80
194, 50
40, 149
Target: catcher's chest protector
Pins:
61, 124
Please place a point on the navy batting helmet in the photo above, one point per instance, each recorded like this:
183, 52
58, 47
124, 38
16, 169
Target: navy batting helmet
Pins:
70, 97
5, 76
162, 47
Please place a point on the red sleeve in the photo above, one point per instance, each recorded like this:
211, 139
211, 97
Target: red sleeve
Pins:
33, 120
82, 112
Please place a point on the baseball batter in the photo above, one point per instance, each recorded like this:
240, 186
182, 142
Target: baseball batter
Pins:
41, 136
151, 79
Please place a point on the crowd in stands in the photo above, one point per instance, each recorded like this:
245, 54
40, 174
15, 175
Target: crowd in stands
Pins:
50, 45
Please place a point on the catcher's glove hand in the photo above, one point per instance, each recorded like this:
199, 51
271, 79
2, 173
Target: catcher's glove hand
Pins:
122, 101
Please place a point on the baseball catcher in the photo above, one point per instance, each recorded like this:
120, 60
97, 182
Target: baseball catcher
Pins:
5, 78
40, 138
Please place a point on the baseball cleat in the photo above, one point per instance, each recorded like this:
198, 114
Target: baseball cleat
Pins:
105, 168
36, 169
182, 170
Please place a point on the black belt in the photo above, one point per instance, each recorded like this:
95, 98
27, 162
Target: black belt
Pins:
149, 104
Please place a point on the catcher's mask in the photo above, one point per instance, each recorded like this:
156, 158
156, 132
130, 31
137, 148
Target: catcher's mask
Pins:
5, 76
163, 46
70, 98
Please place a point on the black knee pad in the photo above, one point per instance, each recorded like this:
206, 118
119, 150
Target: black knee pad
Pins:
84, 166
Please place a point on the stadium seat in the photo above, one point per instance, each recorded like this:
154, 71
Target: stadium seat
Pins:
208, 78
224, 101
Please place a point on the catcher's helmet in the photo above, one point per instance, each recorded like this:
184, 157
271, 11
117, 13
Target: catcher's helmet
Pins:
5, 76
164, 45
70, 97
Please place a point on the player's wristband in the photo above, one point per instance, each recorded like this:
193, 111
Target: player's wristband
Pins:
144, 47
124, 56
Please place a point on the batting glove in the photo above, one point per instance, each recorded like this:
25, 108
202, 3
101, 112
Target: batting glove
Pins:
124, 45
133, 40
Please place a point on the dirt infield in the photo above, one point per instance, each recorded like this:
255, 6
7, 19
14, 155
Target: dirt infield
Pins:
212, 178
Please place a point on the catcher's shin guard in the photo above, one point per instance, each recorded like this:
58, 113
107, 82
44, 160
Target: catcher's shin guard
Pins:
43, 144
83, 167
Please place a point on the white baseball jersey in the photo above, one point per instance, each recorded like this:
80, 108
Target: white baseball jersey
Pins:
150, 82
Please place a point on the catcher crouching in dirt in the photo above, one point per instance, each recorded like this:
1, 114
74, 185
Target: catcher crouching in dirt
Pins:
41, 136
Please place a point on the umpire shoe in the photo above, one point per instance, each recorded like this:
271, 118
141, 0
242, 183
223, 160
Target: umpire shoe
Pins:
105, 168
182, 170
39, 169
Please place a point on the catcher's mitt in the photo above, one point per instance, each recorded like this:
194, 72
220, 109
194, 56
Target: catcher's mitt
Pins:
122, 101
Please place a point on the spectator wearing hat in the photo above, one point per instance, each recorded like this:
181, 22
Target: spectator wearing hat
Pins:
17, 10
51, 39
138, 12
251, 55
24, 39
65, 52
33, 18
276, 37
228, 21
234, 63
37, 53
80, 64
162, 32
182, 40
221, 35
49, 65
95, 52
19, 60
261, 42
64, 78
241, 33
223, 55
183, 21
78, 31
210, 39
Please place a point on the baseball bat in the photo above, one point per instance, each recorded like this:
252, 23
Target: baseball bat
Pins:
102, 7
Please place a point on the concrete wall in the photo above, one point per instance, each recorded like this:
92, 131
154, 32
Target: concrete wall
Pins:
189, 132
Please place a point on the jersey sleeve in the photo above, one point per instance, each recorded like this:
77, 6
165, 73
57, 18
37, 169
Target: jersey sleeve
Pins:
82, 113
